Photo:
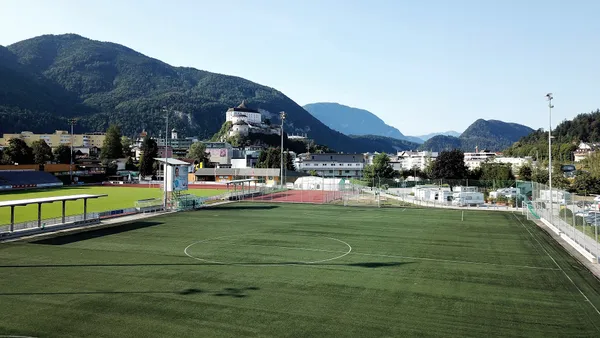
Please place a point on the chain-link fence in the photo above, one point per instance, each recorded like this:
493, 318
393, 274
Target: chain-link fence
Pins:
574, 217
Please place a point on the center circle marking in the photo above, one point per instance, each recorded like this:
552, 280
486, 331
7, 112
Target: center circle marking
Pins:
270, 264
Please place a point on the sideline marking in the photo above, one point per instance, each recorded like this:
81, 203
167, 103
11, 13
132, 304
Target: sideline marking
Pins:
561, 269
271, 246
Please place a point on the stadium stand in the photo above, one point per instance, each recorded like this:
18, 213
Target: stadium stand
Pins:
27, 179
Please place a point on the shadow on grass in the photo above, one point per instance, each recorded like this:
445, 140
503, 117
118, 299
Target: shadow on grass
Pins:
226, 292
242, 207
369, 265
82, 236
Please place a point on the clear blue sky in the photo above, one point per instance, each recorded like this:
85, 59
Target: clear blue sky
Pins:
422, 66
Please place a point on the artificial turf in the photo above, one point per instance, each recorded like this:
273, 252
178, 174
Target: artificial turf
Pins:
118, 198
410, 272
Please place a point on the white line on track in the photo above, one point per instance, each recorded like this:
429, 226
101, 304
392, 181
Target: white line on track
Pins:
561, 269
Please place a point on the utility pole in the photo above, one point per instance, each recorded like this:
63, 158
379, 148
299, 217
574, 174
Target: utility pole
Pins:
282, 116
72, 123
166, 111
550, 106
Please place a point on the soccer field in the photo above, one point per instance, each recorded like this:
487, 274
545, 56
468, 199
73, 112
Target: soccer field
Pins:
300, 271
118, 198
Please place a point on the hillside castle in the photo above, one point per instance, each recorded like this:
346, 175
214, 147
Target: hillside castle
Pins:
245, 121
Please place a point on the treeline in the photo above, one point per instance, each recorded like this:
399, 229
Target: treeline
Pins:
566, 138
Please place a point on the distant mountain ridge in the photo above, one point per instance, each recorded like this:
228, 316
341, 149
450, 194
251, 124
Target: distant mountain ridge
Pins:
354, 121
48, 79
492, 135
445, 133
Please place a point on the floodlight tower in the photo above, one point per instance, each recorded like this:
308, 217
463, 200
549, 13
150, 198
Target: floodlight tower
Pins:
549, 98
72, 123
282, 116
166, 111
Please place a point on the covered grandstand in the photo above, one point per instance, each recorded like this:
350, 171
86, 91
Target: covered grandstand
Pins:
24, 179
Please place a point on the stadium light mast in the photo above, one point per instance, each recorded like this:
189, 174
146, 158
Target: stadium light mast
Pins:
549, 98
72, 123
282, 116
166, 111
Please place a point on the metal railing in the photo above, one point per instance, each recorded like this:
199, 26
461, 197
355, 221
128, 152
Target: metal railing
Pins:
49, 222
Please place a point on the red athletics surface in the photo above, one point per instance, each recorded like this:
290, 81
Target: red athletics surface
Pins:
300, 196
190, 186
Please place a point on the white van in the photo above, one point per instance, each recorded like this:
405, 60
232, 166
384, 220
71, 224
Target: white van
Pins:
462, 199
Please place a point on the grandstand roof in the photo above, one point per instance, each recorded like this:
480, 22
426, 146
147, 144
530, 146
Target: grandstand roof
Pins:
171, 161
23, 202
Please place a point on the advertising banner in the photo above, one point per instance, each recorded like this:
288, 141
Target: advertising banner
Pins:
180, 177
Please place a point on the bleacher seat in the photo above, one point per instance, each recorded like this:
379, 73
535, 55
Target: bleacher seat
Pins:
28, 179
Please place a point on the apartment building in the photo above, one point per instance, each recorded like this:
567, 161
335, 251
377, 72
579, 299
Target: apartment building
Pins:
332, 164
60, 137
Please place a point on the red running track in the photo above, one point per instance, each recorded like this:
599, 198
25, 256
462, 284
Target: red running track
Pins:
190, 186
300, 196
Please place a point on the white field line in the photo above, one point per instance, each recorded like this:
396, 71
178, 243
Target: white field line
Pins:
561, 269
344, 253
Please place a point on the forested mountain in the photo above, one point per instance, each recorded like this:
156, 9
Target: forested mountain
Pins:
47, 79
441, 142
485, 134
384, 144
354, 121
567, 135
445, 133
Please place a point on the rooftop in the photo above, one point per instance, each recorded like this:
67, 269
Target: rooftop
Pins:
243, 108
23, 202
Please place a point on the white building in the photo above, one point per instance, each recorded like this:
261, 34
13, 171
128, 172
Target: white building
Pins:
516, 162
474, 160
242, 113
407, 160
331, 165
584, 150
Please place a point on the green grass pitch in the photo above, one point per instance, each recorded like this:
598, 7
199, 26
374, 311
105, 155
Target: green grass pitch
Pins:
264, 270
118, 198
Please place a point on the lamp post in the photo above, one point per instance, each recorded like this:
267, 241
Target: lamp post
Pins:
166, 111
282, 116
72, 123
549, 98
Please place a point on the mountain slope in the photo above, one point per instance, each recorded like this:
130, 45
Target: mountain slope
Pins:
108, 83
492, 135
567, 135
373, 143
445, 133
353, 121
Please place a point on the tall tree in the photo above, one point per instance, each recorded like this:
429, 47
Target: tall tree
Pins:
525, 172
271, 158
449, 165
540, 175
126, 143
289, 161
17, 152
42, 153
198, 153
62, 154
381, 168
112, 147
149, 151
